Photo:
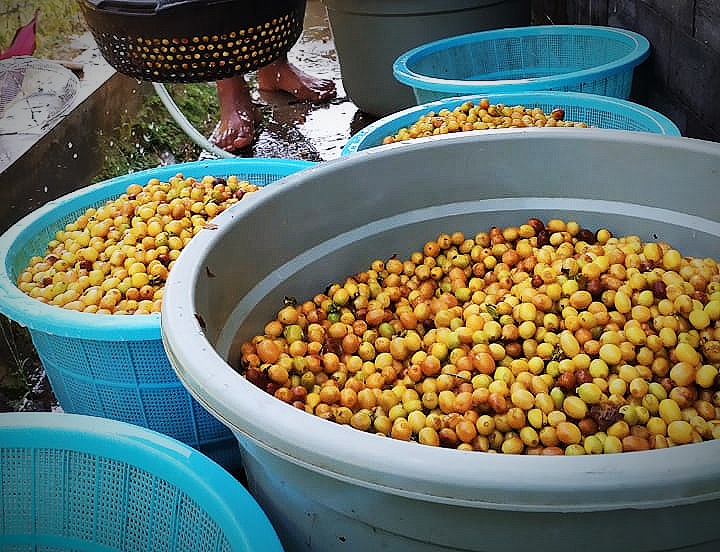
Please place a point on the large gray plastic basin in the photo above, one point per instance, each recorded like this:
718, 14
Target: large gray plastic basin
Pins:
329, 487
370, 34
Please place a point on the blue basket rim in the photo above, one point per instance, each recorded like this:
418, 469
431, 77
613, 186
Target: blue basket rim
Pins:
222, 496
50, 319
367, 136
405, 75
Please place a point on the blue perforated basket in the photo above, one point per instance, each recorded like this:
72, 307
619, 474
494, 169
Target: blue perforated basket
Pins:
576, 58
83, 484
115, 366
596, 111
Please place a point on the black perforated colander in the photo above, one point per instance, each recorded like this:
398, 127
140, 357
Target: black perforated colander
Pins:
192, 40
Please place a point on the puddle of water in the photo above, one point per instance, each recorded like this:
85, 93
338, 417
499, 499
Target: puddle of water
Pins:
314, 132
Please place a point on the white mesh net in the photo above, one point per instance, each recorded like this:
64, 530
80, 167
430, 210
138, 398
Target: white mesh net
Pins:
33, 93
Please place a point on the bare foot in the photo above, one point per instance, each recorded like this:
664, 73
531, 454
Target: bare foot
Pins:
238, 115
282, 75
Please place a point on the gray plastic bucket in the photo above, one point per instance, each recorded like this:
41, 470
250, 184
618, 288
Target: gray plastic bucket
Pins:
329, 487
370, 34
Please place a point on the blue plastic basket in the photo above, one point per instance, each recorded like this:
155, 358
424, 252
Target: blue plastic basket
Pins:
115, 366
79, 483
596, 111
577, 58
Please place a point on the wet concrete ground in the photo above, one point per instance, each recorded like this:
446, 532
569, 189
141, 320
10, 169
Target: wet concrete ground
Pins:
304, 130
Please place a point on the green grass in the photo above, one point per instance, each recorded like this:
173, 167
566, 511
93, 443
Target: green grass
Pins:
141, 142
57, 20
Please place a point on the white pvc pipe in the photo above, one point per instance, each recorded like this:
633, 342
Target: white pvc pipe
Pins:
185, 125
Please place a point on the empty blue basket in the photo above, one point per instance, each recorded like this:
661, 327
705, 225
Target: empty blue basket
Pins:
83, 484
579, 58
115, 366
592, 109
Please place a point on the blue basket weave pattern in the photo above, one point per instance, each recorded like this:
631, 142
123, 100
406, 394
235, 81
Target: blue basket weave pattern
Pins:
594, 110
78, 483
590, 59
88, 491
115, 366
131, 381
